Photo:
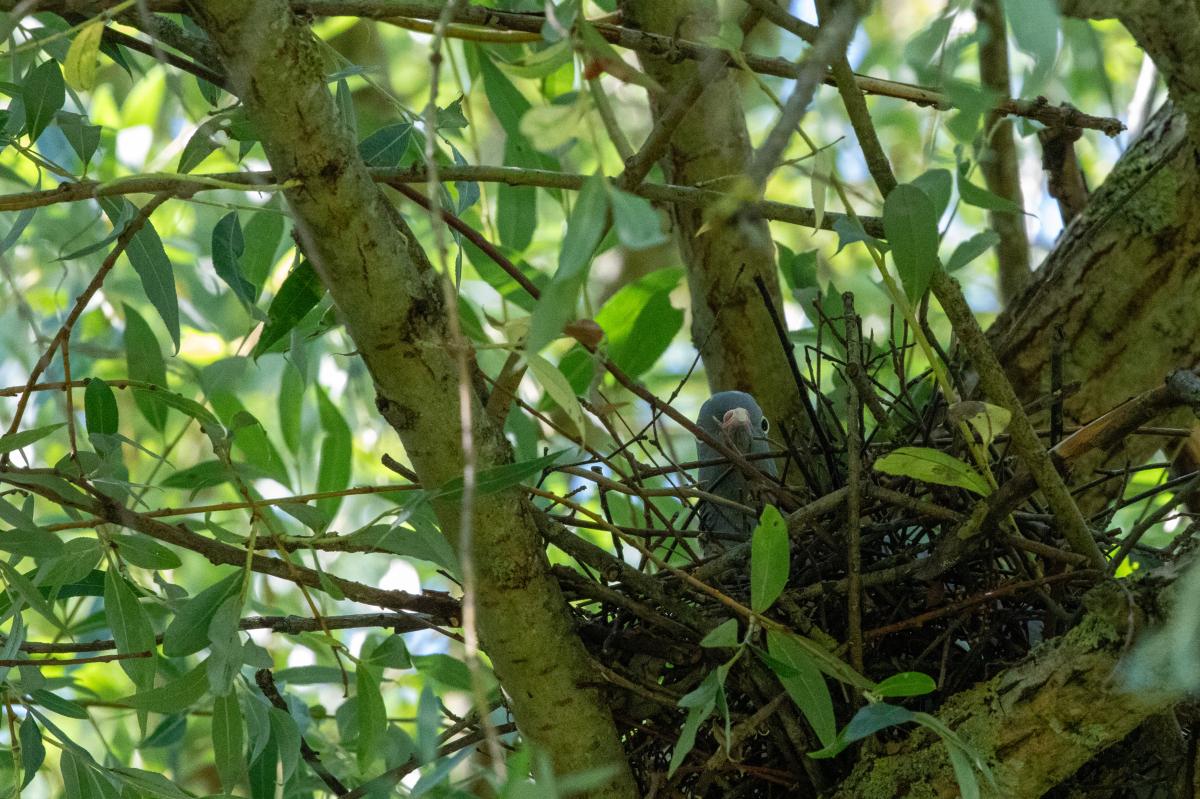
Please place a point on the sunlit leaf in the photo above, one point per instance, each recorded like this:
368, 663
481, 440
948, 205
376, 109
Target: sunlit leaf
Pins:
79, 69
932, 466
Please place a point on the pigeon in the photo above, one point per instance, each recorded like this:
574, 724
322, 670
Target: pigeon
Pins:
732, 417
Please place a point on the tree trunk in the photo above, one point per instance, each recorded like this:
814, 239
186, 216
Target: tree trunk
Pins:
393, 304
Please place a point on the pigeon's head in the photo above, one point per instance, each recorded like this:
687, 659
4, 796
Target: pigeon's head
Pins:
734, 418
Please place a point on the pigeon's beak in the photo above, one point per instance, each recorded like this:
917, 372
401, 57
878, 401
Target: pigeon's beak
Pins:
737, 429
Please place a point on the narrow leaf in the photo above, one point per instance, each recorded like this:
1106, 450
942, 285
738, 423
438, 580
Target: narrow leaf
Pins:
298, 295
145, 252
805, 686
770, 559
910, 223
43, 94
83, 56
932, 466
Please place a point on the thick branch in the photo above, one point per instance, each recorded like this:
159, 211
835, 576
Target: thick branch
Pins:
395, 309
1035, 723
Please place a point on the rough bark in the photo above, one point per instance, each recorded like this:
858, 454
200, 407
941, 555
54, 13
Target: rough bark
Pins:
711, 147
1034, 723
393, 305
1120, 283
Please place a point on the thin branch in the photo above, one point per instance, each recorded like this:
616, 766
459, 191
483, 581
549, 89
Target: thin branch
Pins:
1025, 441
812, 70
186, 185
390, 11
854, 484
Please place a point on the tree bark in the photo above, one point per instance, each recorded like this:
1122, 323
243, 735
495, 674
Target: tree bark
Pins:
711, 147
1034, 723
393, 304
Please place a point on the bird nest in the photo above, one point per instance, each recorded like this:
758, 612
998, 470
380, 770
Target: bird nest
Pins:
894, 566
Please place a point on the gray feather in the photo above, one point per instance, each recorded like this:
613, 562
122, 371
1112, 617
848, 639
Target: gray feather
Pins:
727, 480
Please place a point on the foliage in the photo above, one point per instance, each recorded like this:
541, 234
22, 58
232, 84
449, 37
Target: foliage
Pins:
206, 551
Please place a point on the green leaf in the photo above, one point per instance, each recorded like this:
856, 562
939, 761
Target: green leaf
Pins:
971, 249
372, 715
386, 146
337, 449
76, 782
640, 322
201, 144
309, 675
148, 783
932, 466
43, 94
806, 686
56, 704
516, 206
100, 408
249, 436
429, 719
82, 57
700, 703
263, 234
287, 737
969, 762
144, 552
228, 245
867, 721
169, 399
389, 653
850, 230
145, 252
937, 185
299, 294
83, 138
29, 594
144, 359
450, 672
906, 683
424, 543
910, 223
1034, 25
558, 388
498, 478
188, 631
585, 229
506, 102
227, 740
33, 751
23, 438
175, 696
33, 543
131, 629
770, 559
968, 785
290, 404
169, 732
982, 198
723, 635
637, 223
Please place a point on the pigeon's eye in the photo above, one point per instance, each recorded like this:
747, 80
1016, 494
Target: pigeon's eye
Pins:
765, 425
